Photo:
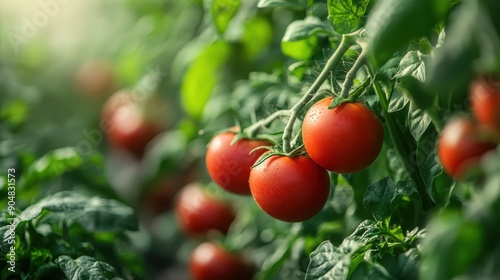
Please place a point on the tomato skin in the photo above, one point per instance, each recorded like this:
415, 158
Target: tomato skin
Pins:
485, 101
210, 261
345, 139
291, 189
461, 145
197, 213
229, 165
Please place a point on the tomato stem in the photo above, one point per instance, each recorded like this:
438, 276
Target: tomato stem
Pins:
332, 63
254, 128
351, 75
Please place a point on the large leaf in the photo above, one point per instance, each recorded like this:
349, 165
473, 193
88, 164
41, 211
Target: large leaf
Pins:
86, 268
202, 77
300, 39
223, 12
93, 214
347, 16
383, 197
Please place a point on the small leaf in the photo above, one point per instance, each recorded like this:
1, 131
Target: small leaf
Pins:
223, 12
51, 166
397, 102
412, 64
418, 121
347, 16
300, 38
295, 4
85, 268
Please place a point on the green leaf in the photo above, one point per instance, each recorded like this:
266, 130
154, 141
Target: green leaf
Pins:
438, 184
347, 16
202, 76
295, 4
397, 102
51, 166
300, 39
418, 121
330, 262
223, 12
86, 268
412, 64
93, 214
392, 24
383, 197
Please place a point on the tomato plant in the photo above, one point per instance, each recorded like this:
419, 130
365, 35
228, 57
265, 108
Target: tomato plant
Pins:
345, 139
211, 261
354, 139
229, 163
198, 213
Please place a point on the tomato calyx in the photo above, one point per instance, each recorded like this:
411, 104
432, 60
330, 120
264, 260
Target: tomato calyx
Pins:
353, 97
277, 151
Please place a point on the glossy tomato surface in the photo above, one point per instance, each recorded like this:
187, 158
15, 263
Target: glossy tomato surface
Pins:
290, 189
229, 165
461, 145
210, 261
197, 213
485, 102
345, 139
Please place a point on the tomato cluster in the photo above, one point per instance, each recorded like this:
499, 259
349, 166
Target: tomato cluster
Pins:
463, 141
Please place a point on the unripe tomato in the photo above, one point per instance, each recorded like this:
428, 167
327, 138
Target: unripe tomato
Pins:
198, 213
485, 101
210, 261
229, 165
291, 189
461, 145
345, 139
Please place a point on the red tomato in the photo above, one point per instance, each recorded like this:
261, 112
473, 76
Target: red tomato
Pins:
229, 165
485, 101
198, 213
345, 139
95, 79
291, 189
132, 120
210, 261
130, 131
461, 145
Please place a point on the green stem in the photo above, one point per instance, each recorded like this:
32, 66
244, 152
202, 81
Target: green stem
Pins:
332, 63
351, 75
254, 128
